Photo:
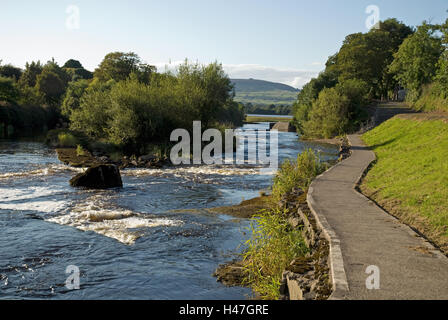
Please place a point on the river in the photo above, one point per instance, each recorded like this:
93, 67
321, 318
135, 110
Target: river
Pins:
150, 240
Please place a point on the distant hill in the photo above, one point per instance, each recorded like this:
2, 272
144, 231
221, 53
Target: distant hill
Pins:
264, 93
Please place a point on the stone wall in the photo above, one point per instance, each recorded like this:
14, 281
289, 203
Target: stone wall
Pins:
306, 278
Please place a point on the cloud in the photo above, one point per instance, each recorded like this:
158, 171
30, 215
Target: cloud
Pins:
293, 77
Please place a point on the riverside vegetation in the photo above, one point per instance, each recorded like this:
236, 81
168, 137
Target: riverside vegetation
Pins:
393, 62
381, 64
274, 242
124, 108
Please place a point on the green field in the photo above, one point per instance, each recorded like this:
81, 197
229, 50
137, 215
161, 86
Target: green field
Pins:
266, 119
264, 93
410, 178
277, 97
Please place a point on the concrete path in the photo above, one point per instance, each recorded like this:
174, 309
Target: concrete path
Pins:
361, 235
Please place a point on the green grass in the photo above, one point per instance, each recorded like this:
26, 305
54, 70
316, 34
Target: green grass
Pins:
433, 98
67, 140
274, 243
410, 178
277, 97
265, 119
271, 248
297, 174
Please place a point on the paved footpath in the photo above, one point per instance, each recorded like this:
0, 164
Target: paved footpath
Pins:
364, 235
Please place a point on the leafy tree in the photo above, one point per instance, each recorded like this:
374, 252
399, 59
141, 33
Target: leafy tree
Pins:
366, 56
442, 66
415, 62
9, 71
52, 66
119, 66
131, 113
73, 64
92, 116
328, 116
310, 92
8, 91
31, 96
29, 76
50, 85
76, 71
356, 92
73, 96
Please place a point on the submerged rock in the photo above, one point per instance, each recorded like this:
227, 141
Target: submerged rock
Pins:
98, 177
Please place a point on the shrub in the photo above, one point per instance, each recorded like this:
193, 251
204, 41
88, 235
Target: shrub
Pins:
329, 115
299, 173
433, 98
272, 247
67, 139
80, 151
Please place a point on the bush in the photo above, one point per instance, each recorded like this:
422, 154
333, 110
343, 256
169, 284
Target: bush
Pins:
67, 140
132, 114
299, 173
328, 116
433, 98
80, 151
272, 247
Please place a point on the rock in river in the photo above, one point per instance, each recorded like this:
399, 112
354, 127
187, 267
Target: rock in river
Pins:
98, 177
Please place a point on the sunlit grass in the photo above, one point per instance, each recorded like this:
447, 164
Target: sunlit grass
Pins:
274, 244
410, 177
266, 119
271, 248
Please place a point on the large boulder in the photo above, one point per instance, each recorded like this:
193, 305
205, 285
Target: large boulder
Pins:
102, 176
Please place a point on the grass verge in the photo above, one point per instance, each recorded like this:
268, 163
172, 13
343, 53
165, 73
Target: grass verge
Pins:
410, 177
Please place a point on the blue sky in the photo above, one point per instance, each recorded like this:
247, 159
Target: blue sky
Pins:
284, 40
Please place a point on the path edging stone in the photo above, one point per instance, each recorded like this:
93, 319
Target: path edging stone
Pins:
338, 275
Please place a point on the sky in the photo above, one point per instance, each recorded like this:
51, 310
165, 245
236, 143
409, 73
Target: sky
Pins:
285, 41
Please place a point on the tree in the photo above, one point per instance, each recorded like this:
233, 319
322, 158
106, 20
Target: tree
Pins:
9, 71
415, 62
76, 71
52, 66
92, 116
442, 65
120, 65
73, 64
29, 76
131, 113
73, 96
366, 56
51, 86
310, 92
328, 116
8, 91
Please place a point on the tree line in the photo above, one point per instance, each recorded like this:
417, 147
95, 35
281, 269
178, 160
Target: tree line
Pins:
124, 102
373, 66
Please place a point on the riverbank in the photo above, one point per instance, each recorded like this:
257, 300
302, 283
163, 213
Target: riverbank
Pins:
303, 275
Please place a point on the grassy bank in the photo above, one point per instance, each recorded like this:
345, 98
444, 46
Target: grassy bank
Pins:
265, 119
410, 177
